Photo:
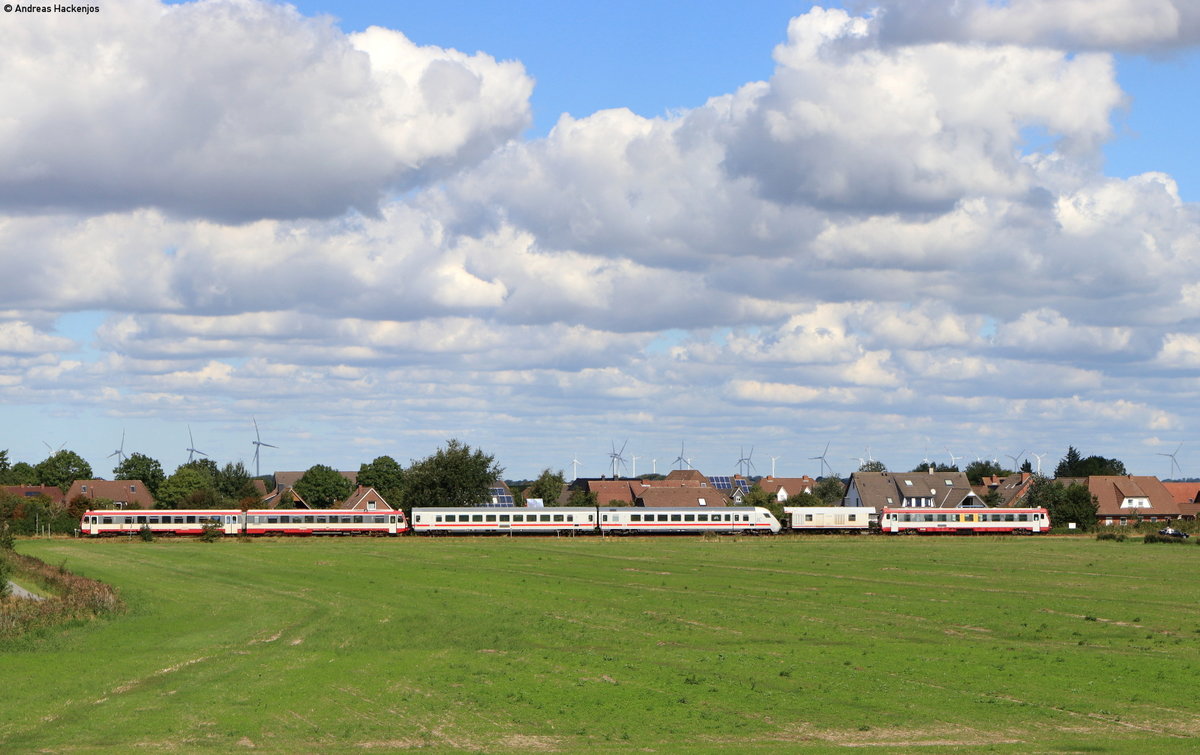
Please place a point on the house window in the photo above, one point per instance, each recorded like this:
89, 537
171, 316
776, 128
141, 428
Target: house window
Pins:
370, 505
132, 489
703, 502
83, 488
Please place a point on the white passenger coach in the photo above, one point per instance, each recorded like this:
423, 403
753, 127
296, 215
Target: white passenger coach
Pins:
639, 520
831, 518
503, 520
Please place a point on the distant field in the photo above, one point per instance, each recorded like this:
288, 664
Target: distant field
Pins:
1010, 645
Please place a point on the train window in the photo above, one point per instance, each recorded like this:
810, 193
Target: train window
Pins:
808, 517
1022, 517
570, 517
675, 517
663, 517
941, 517
379, 520
322, 520
689, 517
476, 517
106, 520
591, 517
558, 517
518, 517
1009, 518
702, 517
854, 517
358, 519
545, 517
141, 520
190, 519
490, 518
632, 518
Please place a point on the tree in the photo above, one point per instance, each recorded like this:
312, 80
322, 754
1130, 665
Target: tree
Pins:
548, 486
207, 466
62, 469
977, 470
756, 496
1072, 465
322, 486
138, 466
830, 490
385, 475
874, 465
234, 484
923, 467
1072, 503
454, 476
581, 497
22, 473
5, 468
177, 489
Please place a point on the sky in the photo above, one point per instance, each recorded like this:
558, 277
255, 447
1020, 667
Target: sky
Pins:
902, 230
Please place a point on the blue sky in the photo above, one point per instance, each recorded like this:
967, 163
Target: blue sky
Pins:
967, 231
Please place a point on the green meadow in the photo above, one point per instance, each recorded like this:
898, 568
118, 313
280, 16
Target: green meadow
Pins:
673, 644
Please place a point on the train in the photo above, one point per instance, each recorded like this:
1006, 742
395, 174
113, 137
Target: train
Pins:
436, 521
584, 520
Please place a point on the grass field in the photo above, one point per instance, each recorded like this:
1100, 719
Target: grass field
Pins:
786, 643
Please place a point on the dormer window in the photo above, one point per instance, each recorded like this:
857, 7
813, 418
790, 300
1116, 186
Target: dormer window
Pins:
908, 483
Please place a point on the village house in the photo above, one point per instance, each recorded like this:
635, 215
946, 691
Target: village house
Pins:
1129, 499
125, 494
53, 492
910, 489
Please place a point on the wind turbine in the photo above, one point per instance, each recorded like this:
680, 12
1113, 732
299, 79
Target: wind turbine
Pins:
616, 457
773, 460
258, 444
680, 459
575, 466
634, 457
52, 450
824, 463
953, 459
1174, 464
192, 447
120, 452
1016, 458
746, 463
1039, 464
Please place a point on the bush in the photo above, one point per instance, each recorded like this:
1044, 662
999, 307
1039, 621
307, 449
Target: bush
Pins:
1154, 537
211, 532
6, 537
146, 534
73, 598
5, 572
1118, 536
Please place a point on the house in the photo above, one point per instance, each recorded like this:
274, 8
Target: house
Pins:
783, 488
364, 499
1010, 489
283, 498
499, 494
53, 492
680, 497
1187, 497
910, 489
125, 494
1130, 499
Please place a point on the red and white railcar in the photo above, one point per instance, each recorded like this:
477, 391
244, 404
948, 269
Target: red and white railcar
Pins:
503, 520
647, 520
979, 521
324, 522
160, 522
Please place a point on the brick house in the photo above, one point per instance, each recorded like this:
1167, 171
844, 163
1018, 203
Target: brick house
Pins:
910, 489
125, 494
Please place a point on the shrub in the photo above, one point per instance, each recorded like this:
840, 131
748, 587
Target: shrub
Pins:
6, 537
211, 532
5, 573
1154, 537
1118, 536
146, 534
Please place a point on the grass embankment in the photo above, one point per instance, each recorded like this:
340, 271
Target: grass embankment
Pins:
66, 598
518, 644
